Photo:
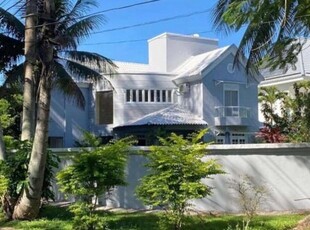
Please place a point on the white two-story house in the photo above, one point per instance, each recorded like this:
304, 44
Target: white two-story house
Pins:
189, 83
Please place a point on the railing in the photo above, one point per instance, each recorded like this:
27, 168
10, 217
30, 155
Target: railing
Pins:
232, 111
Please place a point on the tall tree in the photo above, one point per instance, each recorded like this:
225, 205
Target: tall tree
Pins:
271, 32
30, 63
61, 26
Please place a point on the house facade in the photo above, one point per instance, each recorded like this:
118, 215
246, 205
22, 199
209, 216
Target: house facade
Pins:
189, 83
284, 79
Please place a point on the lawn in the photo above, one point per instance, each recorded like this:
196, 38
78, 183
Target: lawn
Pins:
60, 218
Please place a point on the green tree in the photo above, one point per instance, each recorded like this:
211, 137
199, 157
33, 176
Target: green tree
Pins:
272, 107
271, 32
94, 172
299, 113
176, 169
70, 27
293, 122
61, 26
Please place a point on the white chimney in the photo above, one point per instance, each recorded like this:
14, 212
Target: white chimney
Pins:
168, 51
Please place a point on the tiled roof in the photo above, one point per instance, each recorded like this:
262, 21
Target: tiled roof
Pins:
173, 115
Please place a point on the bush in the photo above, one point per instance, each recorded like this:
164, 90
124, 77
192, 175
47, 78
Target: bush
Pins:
14, 171
94, 172
176, 170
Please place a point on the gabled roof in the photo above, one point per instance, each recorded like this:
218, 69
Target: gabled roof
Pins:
192, 69
298, 72
173, 115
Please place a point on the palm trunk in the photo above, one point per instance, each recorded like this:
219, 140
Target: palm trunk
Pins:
30, 59
30, 202
29, 205
2, 147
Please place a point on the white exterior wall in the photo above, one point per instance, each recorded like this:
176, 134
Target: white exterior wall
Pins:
168, 51
282, 168
126, 111
193, 100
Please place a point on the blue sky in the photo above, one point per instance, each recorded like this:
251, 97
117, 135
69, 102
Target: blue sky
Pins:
120, 44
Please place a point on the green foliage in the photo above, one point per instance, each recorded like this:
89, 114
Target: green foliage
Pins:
10, 110
14, 171
89, 140
96, 171
176, 170
85, 218
5, 118
272, 29
58, 218
293, 122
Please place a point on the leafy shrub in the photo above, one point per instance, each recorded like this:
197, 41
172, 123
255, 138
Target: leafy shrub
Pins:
13, 173
97, 171
176, 170
94, 172
85, 218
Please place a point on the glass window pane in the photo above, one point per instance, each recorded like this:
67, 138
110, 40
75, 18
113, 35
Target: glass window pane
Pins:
128, 95
146, 95
157, 95
164, 95
134, 95
140, 95
152, 96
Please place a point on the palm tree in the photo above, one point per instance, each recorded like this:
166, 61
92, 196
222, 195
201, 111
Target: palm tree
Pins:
61, 27
71, 28
271, 32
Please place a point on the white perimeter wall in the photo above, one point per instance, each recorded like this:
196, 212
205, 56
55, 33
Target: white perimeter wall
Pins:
283, 168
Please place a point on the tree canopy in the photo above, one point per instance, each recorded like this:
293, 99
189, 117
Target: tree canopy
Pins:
273, 29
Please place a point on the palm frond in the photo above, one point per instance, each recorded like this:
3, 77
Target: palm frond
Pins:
64, 82
11, 51
217, 16
14, 76
11, 25
75, 33
95, 61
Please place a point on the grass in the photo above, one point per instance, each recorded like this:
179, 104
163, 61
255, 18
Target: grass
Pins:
60, 218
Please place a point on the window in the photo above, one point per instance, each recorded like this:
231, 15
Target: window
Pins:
148, 95
231, 99
134, 95
104, 107
55, 142
220, 138
128, 96
158, 95
152, 95
164, 95
238, 138
140, 95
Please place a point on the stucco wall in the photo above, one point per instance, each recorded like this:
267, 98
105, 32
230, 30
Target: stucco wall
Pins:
283, 168
67, 120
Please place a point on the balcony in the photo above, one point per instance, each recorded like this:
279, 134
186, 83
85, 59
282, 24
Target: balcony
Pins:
232, 116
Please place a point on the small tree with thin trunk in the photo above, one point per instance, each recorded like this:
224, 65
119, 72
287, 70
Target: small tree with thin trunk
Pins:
94, 172
176, 169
